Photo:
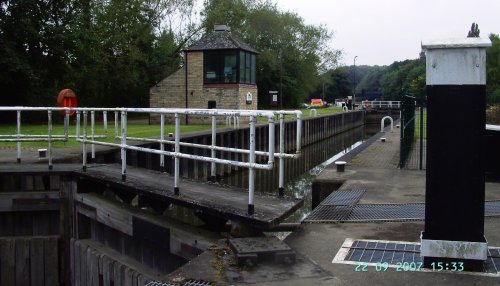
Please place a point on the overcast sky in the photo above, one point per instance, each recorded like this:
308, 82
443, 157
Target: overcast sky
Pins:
380, 32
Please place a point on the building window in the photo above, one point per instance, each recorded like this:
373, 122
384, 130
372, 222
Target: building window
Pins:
226, 67
247, 67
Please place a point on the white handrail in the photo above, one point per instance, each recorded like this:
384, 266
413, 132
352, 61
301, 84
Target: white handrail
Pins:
380, 104
177, 154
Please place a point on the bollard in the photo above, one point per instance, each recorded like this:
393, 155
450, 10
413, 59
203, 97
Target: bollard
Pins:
340, 165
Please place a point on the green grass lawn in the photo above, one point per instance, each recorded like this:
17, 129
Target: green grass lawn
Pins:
322, 111
307, 112
133, 130
417, 125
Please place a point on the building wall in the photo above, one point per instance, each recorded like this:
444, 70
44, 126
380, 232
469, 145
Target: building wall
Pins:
170, 93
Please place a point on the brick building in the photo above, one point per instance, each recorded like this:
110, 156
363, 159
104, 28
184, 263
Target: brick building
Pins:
219, 72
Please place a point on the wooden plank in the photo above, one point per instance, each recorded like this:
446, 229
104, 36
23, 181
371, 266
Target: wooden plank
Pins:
135, 278
44, 223
37, 261
106, 213
7, 261
83, 265
72, 261
141, 281
220, 201
38, 169
93, 261
118, 273
107, 270
128, 276
24, 224
77, 267
51, 251
115, 260
22, 262
28, 201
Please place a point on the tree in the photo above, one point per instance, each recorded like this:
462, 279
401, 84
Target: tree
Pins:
340, 85
474, 31
109, 52
403, 77
371, 81
493, 71
291, 52
33, 43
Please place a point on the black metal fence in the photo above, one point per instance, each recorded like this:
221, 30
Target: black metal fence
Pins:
407, 128
413, 133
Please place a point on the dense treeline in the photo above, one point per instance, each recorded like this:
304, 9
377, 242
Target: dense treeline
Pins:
111, 52
404, 77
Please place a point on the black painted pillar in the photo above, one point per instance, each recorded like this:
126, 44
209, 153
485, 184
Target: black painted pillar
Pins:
454, 198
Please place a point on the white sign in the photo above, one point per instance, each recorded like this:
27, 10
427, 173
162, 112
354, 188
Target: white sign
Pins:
249, 98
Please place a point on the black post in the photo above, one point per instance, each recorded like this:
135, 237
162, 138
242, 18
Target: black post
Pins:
421, 133
186, 83
454, 195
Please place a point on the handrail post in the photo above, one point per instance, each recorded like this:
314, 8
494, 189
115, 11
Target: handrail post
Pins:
84, 145
281, 185
251, 171
299, 133
66, 124
77, 125
92, 137
105, 122
18, 129
176, 156
162, 138
116, 124
271, 141
213, 167
49, 151
123, 145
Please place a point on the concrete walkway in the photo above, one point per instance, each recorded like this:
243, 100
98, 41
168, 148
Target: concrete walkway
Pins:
374, 169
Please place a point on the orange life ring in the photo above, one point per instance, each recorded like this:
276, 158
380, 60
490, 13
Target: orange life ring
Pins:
66, 98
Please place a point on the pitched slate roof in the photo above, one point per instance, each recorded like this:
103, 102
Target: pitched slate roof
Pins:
220, 40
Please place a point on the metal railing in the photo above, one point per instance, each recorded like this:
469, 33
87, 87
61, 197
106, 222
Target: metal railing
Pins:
121, 113
407, 128
380, 104
382, 123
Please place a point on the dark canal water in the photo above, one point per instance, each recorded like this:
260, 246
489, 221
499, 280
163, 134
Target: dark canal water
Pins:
299, 173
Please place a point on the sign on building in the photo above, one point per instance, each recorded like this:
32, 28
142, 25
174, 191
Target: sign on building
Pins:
273, 95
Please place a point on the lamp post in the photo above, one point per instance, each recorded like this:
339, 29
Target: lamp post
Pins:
354, 85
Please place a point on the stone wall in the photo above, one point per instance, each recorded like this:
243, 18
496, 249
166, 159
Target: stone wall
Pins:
170, 92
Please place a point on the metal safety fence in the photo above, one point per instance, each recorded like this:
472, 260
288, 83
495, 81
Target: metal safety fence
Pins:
120, 129
413, 133
407, 128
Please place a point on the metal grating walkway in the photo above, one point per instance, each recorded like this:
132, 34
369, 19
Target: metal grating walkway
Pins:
395, 254
331, 213
343, 198
188, 283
